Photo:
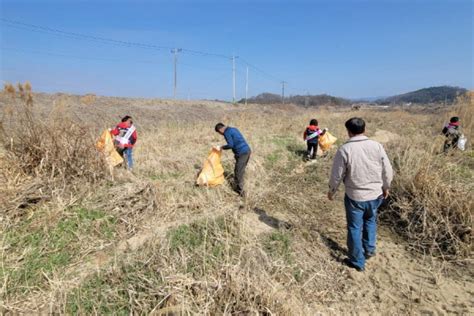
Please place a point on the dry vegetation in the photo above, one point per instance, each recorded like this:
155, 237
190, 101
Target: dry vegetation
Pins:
432, 202
74, 241
88, 99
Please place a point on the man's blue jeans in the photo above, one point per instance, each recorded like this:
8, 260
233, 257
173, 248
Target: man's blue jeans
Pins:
361, 228
128, 153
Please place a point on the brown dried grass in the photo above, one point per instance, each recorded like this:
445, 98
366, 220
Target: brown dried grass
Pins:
432, 193
88, 99
56, 152
430, 206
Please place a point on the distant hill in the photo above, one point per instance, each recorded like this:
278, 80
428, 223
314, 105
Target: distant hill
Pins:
303, 100
442, 94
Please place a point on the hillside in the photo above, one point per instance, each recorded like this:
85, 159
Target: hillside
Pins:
442, 94
303, 100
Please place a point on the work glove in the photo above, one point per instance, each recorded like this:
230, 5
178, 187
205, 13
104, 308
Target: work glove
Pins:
218, 148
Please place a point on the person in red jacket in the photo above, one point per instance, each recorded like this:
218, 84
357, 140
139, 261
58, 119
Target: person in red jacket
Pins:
311, 136
125, 138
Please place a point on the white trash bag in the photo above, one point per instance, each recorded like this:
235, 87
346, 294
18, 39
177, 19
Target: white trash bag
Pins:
462, 143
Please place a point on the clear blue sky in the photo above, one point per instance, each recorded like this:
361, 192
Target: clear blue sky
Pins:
343, 48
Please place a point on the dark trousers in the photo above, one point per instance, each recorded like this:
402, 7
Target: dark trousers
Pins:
451, 142
312, 150
241, 162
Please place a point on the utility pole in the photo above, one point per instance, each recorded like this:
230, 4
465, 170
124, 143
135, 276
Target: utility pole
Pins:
283, 92
233, 77
175, 52
247, 85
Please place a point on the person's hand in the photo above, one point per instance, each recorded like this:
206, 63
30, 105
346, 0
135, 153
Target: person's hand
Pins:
218, 148
326, 129
330, 196
386, 193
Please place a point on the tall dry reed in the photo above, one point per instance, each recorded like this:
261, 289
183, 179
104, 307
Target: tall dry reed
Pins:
432, 192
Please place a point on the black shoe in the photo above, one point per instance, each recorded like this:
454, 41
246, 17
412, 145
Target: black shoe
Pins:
369, 255
348, 263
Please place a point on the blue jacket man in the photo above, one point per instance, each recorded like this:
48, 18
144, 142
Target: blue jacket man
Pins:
241, 149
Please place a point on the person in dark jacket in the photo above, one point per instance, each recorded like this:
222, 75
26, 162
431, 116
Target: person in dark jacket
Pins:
311, 136
241, 149
452, 131
125, 138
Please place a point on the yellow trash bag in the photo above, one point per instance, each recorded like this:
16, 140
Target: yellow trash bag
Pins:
212, 173
326, 141
105, 145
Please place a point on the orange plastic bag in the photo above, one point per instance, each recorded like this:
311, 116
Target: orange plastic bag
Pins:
212, 173
326, 141
106, 146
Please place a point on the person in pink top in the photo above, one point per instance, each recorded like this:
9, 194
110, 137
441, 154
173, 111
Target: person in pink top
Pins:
125, 138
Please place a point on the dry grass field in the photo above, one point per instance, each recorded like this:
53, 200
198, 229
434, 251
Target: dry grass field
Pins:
74, 240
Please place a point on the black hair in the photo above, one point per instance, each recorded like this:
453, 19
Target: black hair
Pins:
126, 118
218, 127
355, 125
313, 122
454, 119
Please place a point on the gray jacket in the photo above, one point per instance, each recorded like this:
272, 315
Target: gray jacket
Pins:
362, 164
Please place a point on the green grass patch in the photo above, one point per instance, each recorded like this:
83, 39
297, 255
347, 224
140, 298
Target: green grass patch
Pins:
272, 159
186, 237
37, 250
166, 176
282, 141
140, 282
278, 245
108, 293
463, 172
204, 243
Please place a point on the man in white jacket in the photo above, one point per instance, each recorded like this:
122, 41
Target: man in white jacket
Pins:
364, 168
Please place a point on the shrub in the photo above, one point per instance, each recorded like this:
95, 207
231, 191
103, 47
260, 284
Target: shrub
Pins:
431, 200
55, 146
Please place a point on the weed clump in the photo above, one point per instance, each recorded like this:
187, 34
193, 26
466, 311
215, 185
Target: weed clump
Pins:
52, 153
54, 146
432, 195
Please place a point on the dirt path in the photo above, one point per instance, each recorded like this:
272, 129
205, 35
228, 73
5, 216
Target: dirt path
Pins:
396, 280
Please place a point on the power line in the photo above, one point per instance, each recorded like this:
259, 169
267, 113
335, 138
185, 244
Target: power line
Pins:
296, 91
48, 53
94, 38
104, 40
74, 35
261, 71
201, 67
199, 53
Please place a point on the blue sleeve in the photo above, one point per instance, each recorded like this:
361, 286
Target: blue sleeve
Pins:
230, 141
